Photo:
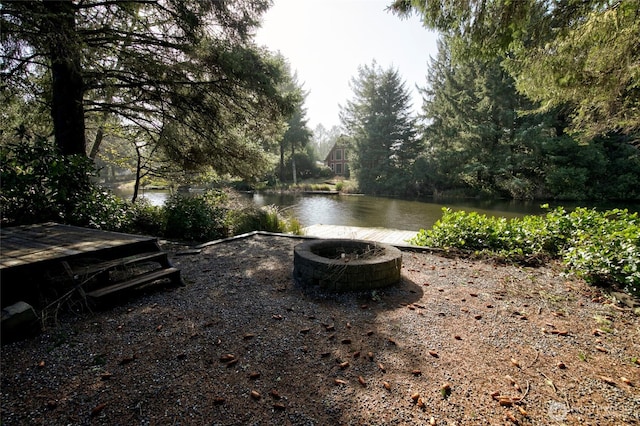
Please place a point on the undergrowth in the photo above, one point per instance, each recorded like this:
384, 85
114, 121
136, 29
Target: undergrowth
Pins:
601, 247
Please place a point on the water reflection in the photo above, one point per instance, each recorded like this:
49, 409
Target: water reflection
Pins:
362, 210
353, 210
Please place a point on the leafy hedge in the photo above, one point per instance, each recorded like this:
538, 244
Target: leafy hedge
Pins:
601, 247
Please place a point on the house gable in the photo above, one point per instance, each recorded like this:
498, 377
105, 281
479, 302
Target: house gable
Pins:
336, 159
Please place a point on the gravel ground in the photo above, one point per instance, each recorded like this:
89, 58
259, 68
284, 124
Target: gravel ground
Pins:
457, 342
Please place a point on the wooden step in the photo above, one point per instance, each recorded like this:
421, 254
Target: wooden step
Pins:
159, 256
171, 273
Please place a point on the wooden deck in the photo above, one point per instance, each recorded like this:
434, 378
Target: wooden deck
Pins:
394, 237
45, 258
29, 244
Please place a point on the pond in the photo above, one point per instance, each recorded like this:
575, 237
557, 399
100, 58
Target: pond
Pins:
368, 211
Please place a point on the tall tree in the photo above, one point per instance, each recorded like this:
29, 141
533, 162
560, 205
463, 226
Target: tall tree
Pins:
477, 140
185, 71
581, 53
297, 134
379, 122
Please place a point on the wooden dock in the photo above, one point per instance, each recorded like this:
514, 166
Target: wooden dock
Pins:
394, 237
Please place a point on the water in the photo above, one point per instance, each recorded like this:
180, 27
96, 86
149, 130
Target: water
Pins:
359, 210
367, 211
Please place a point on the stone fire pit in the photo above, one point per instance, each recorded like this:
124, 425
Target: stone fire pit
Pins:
342, 264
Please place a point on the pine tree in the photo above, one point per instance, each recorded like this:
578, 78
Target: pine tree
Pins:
379, 123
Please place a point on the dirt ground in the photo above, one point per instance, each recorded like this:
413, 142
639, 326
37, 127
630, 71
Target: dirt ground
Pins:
457, 342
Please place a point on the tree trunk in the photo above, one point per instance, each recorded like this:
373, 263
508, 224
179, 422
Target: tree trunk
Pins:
293, 162
281, 161
67, 86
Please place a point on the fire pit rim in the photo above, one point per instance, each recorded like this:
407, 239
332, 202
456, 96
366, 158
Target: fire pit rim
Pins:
381, 270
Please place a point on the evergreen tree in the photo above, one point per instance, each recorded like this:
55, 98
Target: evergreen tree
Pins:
560, 52
297, 134
379, 123
478, 140
186, 73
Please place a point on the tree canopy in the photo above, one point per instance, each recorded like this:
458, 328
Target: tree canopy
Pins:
184, 72
581, 53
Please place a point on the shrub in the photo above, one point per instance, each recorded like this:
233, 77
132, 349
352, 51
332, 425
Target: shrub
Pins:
267, 218
39, 184
602, 247
195, 218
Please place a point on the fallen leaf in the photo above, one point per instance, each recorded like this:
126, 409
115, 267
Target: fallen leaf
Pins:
505, 401
608, 380
97, 409
274, 394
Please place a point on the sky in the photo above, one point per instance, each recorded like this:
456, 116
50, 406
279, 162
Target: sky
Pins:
326, 40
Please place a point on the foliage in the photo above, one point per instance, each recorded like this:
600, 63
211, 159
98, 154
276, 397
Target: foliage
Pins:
602, 247
185, 77
577, 53
382, 131
477, 141
297, 134
267, 218
195, 218
39, 185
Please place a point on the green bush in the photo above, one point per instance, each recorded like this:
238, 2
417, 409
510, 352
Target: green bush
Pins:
267, 218
39, 185
601, 247
195, 218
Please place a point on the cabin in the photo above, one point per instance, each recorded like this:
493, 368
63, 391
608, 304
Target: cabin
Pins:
337, 160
